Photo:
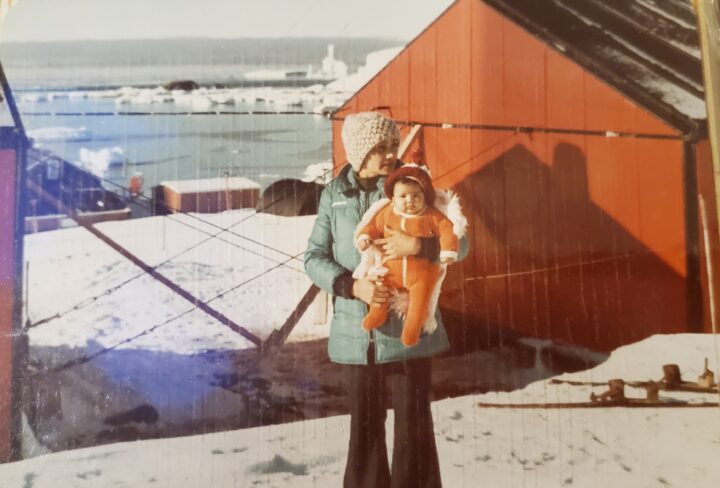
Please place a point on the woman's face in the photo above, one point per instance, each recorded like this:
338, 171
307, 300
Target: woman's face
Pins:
381, 160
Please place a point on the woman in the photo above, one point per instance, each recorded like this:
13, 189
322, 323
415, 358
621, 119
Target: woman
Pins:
376, 361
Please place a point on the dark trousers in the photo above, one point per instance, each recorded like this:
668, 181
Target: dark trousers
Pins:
415, 460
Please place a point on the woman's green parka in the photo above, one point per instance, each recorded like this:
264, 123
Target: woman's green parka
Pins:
331, 252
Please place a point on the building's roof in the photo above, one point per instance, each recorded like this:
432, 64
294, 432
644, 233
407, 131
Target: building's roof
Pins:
647, 49
211, 185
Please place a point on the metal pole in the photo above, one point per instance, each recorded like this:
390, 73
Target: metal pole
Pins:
10, 100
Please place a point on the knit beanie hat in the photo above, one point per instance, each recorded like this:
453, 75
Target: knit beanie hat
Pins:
362, 132
419, 174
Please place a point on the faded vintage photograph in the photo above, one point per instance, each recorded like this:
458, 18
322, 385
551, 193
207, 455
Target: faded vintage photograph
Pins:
377, 244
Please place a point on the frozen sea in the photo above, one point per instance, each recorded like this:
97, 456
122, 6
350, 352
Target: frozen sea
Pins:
263, 148
73, 87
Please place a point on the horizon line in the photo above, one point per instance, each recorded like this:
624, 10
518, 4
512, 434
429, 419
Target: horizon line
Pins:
200, 38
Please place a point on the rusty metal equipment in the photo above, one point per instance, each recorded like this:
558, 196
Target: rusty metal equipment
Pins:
672, 378
615, 392
707, 378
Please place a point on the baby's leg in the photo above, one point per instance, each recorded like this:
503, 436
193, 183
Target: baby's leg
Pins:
376, 316
421, 284
377, 313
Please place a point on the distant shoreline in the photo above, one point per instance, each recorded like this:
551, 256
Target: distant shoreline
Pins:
272, 83
101, 65
393, 40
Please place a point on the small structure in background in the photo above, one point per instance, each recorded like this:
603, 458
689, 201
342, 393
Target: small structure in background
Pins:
51, 177
332, 68
210, 195
136, 184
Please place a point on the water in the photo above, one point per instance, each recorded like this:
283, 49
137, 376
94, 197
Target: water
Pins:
263, 148
167, 147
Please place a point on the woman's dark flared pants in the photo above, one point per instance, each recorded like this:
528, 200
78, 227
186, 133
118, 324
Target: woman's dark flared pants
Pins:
414, 459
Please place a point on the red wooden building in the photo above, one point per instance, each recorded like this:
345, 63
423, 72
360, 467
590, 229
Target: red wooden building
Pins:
12, 148
575, 133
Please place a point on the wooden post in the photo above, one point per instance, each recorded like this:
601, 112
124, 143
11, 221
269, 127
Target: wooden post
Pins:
708, 27
709, 32
12, 150
405, 145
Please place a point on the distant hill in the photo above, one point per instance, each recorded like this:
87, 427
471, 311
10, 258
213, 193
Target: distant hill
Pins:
251, 51
44, 65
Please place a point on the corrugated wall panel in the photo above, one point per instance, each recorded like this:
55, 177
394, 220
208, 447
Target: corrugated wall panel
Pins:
486, 67
338, 150
606, 110
482, 194
452, 69
647, 123
369, 97
454, 150
527, 179
395, 87
613, 183
661, 200
423, 86
523, 76
565, 93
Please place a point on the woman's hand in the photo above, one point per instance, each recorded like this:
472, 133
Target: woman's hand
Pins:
397, 244
370, 292
363, 243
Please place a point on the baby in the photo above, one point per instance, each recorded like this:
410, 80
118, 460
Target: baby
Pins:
411, 211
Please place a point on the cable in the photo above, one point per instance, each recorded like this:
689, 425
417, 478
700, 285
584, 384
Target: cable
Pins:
88, 301
193, 216
471, 158
87, 358
184, 114
517, 129
560, 267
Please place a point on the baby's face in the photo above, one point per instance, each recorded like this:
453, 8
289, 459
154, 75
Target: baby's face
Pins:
408, 198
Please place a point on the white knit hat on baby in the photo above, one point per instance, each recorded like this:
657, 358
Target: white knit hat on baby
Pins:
362, 132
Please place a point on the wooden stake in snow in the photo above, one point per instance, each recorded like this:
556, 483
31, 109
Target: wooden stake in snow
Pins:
711, 279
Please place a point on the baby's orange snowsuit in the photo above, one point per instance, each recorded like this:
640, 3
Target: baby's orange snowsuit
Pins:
419, 276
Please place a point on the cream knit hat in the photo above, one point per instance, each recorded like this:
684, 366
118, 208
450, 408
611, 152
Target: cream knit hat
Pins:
362, 132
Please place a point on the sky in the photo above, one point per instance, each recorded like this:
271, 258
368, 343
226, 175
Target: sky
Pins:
57, 20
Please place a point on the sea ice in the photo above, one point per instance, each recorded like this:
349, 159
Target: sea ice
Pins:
99, 161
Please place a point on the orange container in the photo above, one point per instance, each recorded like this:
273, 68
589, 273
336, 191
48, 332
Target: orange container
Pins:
136, 184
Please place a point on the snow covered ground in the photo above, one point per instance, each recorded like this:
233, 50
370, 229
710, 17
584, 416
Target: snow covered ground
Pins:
615, 447
156, 348
193, 370
69, 266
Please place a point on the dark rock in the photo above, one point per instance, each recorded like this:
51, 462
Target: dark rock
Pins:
185, 85
117, 434
278, 464
290, 197
144, 413
566, 360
